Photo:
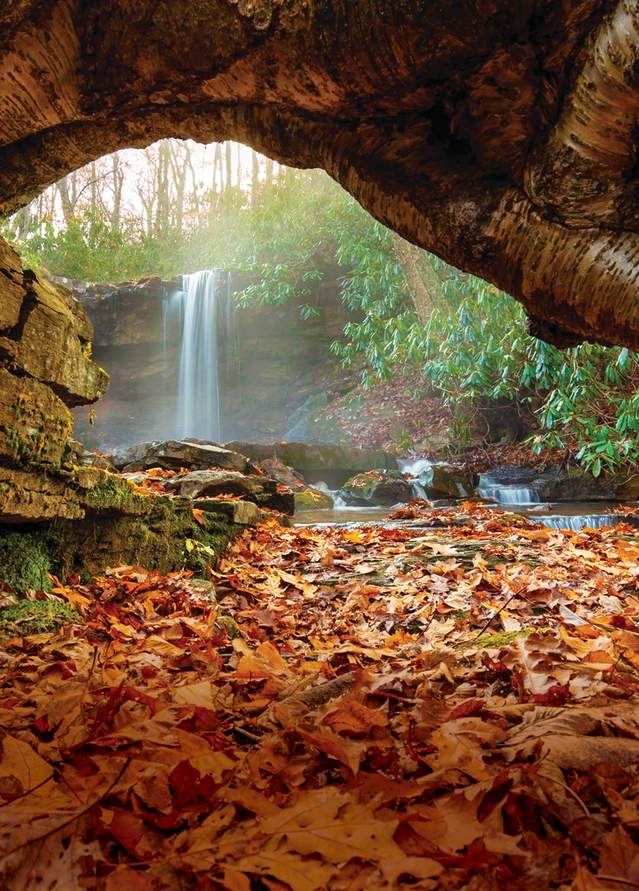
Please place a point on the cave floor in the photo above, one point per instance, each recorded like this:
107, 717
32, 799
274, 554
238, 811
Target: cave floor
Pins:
447, 703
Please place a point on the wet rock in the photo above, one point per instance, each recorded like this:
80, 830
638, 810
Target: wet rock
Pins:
332, 464
53, 343
277, 470
210, 483
174, 454
510, 485
309, 498
440, 481
377, 487
306, 497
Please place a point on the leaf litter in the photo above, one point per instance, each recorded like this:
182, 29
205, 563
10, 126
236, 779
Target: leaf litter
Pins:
446, 702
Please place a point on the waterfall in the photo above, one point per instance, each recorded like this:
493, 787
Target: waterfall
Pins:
509, 495
576, 523
201, 315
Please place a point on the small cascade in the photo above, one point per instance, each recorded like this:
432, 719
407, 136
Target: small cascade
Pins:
508, 495
577, 523
203, 318
414, 468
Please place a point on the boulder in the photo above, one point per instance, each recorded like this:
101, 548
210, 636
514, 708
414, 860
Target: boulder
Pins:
210, 483
309, 498
377, 487
243, 513
332, 464
440, 481
174, 454
52, 344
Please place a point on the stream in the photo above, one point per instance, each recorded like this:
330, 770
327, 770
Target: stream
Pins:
572, 515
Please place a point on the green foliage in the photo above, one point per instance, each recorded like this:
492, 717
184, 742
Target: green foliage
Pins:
304, 230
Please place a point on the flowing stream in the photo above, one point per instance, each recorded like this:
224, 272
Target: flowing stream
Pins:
203, 317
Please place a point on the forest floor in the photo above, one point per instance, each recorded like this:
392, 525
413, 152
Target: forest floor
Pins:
447, 703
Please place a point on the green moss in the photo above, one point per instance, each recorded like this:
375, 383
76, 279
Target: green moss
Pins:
104, 492
312, 499
24, 561
155, 540
502, 639
35, 617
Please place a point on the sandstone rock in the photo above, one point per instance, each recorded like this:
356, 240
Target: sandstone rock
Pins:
377, 487
259, 489
52, 344
173, 454
34, 498
11, 288
333, 464
35, 424
277, 470
244, 513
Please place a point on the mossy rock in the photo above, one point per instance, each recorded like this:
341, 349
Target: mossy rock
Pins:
383, 487
167, 538
160, 533
442, 482
104, 492
312, 499
35, 617
25, 562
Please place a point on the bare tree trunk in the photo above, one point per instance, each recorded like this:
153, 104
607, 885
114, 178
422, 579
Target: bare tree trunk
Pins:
66, 202
162, 207
239, 165
229, 164
268, 174
423, 281
255, 174
118, 183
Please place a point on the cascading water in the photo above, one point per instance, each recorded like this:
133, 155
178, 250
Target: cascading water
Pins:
576, 523
509, 495
201, 314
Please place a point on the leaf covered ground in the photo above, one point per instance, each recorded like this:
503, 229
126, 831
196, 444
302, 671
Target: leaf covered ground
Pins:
446, 703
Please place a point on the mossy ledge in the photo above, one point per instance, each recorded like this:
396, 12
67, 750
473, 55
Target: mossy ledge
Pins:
119, 527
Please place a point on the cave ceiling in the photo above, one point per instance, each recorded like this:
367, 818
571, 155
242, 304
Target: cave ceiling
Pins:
501, 136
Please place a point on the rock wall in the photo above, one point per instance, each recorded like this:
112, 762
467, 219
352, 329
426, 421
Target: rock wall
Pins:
45, 370
279, 362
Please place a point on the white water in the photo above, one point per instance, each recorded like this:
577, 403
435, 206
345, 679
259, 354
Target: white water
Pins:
415, 467
576, 523
203, 314
509, 495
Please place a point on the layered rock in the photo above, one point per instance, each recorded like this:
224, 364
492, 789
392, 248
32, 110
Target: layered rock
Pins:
173, 454
45, 368
330, 463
